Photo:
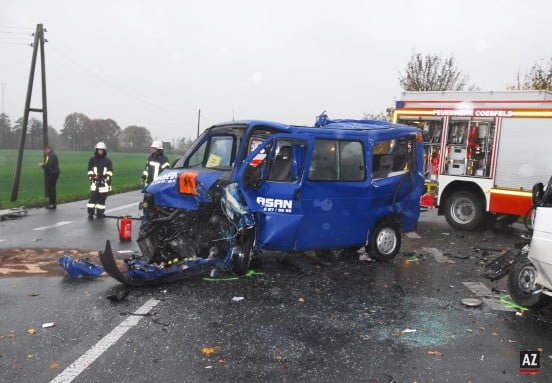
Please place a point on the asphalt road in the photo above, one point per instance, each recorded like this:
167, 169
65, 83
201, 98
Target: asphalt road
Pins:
342, 322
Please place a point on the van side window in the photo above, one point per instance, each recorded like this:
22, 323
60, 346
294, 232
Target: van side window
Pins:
390, 158
337, 160
287, 163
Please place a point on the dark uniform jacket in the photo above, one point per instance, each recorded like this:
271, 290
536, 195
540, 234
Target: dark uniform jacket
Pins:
155, 164
100, 172
51, 165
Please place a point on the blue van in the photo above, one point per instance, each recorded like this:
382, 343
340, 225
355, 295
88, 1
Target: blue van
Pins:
248, 186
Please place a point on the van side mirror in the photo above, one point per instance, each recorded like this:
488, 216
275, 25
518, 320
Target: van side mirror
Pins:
537, 193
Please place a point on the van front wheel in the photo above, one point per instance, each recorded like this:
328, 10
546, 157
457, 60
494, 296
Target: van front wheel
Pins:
385, 242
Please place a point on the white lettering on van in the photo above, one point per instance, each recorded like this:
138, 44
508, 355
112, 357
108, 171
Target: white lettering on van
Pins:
166, 178
275, 205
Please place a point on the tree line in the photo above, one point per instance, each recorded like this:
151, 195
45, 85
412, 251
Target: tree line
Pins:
81, 133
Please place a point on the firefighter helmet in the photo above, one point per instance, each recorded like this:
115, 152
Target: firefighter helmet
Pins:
157, 145
100, 145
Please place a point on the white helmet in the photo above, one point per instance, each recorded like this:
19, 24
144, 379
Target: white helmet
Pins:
100, 145
157, 145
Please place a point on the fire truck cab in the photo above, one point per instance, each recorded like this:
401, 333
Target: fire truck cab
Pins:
483, 151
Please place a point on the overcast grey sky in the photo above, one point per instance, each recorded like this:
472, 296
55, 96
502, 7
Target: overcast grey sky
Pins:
154, 63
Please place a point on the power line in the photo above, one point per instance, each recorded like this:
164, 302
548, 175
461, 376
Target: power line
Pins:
54, 58
15, 43
17, 33
109, 83
26, 38
14, 27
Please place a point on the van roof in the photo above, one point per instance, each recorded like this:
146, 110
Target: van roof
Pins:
375, 129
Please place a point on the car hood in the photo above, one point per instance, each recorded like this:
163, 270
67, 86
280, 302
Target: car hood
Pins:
166, 187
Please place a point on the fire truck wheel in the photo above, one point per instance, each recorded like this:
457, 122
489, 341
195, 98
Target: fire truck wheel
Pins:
521, 284
464, 210
385, 242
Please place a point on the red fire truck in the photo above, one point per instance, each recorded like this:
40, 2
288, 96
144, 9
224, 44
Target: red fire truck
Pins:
483, 151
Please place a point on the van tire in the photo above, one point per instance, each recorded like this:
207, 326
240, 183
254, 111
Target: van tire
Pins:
521, 284
242, 260
385, 241
464, 210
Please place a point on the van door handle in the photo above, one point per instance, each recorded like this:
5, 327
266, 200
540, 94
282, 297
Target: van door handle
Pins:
296, 194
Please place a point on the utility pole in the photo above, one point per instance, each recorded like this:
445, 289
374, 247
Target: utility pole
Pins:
39, 41
198, 119
3, 85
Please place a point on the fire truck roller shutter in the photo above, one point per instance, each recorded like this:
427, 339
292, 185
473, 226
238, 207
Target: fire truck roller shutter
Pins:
524, 153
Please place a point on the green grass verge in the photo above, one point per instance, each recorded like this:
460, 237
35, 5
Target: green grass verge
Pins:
72, 184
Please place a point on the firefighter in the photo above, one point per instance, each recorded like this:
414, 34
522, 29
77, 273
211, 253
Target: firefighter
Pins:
100, 172
155, 164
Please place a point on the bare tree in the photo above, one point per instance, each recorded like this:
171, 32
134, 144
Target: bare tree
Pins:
73, 129
105, 130
135, 138
387, 115
539, 77
432, 73
6, 136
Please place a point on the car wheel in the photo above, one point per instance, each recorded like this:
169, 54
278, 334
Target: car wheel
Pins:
465, 211
521, 284
385, 242
242, 257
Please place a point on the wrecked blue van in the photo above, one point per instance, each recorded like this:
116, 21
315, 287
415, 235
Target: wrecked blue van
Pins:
245, 187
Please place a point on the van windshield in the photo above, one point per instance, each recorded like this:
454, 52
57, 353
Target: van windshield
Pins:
216, 152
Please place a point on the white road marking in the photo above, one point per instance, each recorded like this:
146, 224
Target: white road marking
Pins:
58, 224
122, 207
413, 235
107, 341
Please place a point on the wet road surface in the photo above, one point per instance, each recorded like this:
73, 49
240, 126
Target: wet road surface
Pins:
343, 322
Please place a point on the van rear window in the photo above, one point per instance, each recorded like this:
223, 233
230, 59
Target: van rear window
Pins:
337, 160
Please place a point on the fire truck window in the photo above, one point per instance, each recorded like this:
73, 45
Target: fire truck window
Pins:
390, 158
337, 160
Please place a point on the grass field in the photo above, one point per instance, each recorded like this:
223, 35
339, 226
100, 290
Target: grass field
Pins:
72, 183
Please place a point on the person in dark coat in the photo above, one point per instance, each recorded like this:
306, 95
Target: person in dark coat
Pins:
100, 173
155, 164
51, 172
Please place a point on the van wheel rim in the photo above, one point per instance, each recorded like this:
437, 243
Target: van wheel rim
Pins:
386, 241
526, 278
463, 210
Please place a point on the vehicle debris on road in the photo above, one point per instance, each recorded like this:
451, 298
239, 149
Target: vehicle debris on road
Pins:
472, 302
80, 268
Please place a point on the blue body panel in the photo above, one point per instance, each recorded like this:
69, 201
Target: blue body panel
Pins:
166, 192
308, 215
